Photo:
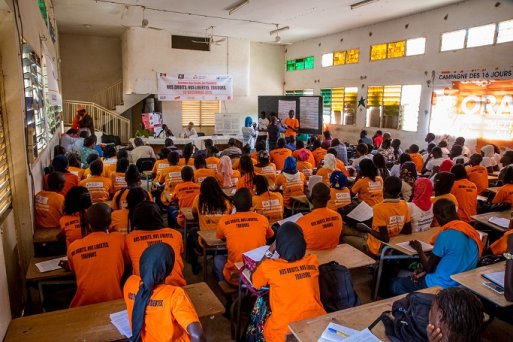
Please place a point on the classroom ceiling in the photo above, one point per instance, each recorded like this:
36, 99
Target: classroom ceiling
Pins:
306, 18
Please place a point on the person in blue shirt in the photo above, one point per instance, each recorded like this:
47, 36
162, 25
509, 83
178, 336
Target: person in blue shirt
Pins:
87, 150
341, 150
364, 139
291, 143
97, 147
456, 249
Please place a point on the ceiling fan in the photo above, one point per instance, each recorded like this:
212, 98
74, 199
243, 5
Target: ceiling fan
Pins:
209, 38
144, 23
277, 38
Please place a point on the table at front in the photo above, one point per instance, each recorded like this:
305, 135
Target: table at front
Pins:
484, 219
198, 142
473, 281
92, 322
359, 318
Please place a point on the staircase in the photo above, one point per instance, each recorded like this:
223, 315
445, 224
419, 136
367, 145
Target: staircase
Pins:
111, 96
105, 120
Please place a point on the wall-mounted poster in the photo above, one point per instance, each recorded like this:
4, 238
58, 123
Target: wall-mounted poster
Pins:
152, 121
179, 87
475, 104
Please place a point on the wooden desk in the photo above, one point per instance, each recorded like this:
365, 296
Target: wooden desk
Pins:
493, 177
299, 202
424, 236
483, 219
189, 221
46, 235
187, 213
345, 255
300, 198
92, 322
360, 317
473, 281
211, 242
493, 189
33, 274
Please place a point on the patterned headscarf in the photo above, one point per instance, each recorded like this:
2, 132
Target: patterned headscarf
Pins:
409, 173
338, 180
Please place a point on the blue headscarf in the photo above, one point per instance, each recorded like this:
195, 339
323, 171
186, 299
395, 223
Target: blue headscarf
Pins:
338, 180
248, 122
155, 265
290, 165
290, 242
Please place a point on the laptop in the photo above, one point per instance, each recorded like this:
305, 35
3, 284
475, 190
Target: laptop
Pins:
495, 277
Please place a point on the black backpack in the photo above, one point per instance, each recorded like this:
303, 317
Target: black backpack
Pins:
410, 318
336, 287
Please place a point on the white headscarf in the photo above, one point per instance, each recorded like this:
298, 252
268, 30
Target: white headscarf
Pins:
330, 162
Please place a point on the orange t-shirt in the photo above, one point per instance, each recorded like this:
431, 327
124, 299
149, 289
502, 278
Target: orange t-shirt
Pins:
185, 193
109, 165
294, 293
392, 214
269, 204
236, 162
70, 226
119, 221
246, 181
449, 196
325, 174
342, 167
170, 176
201, 174
278, 157
159, 165
49, 208
209, 221
122, 200
466, 194
504, 195
417, 159
339, 198
87, 173
71, 181
100, 188
77, 171
368, 191
235, 178
292, 185
319, 154
212, 162
322, 228
243, 232
305, 168
268, 172
310, 159
168, 313
501, 246
181, 162
293, 123
138, 240
118, 181
479, 176
98, 261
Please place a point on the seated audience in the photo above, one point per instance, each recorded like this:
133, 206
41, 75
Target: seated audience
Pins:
122, 220
87, 150
200, 169
279, 154
247, 173
49, 204
396, 145
377, 139
99, 187
408, 176
328, 166
461, 142
265, 202
505, 193
396, 169
265, 168
506, 160
300, 147
442, 186
110, 159
416, 157
68, 139
141, 151
340, 195
500, 246
341, 150
184, 194
387, 151
477, 174
457, 155
226, 175
211, 159
291, 181
362, 152
118, 177
291, 143
170, 176
75, 166
465, 192
445, 148
210, 204
364, 139
421, 208
74, 223
232, 149
339, 164
160, 163
318, 152
133, 180
369, 186
381, 164
303, 165
188, 152
60, 164
434, 160
489, 161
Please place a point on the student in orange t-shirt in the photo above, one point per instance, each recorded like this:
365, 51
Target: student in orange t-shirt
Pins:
291, 124
60, 164
416, 157
279, 154
500, 246
200, 169
122, 220
442, 185
99, 187
369, 186
211, 160
322, 226
74, 221
118, 177
318, 152
170, 176
226, 176
291, 181
300, 148
150, 229
303, 165
505, 193
465, 192
157, 311
243, 231
265, 168
293, 280
390, 217
133, 180
328, 166
49, 203
338, 163
476, 173
265, 202
184, 195
247, 173
161, 163
110, 160
98, 260
75, 166
340, 195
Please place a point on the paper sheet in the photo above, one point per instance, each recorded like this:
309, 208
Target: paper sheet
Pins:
363, 336
501, 222
292, 218
50, 265
426, 247
309, 110
120, 321
284, 107
496, 277
258, 253
482, 198
329, 336
361, 213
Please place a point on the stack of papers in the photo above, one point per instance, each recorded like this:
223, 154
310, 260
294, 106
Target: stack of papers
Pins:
501, 222
120, 321
258, 253
426, 247
292, 219
50, 265
336, 333
361, 213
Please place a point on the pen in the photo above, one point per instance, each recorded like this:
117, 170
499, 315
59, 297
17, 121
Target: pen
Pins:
331, 330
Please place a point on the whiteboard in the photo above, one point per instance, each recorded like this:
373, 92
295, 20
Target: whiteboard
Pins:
230, 123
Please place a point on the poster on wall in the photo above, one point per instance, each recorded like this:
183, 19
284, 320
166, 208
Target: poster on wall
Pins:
284, 107
179, 87
152, 121
476, 104
309, 108
52, 77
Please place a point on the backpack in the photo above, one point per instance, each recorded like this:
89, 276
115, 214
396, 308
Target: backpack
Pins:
410, 318
336, 287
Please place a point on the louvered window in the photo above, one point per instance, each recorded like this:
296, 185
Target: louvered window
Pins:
5, 186
339, 105
201, 113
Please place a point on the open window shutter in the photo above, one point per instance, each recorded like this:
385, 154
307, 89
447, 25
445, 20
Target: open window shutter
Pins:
191, 112
5, 186
208, 112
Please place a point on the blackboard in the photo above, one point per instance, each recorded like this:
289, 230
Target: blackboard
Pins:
269, 104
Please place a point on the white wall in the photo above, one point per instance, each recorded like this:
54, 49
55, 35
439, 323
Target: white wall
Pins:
407, 70
257, 68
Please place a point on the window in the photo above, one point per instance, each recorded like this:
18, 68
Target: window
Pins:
416, 46
505, 32
339, 105
352, 56
396, 49
454, 40
378, 51
300, 63
5, 186
481, 35
201, 113
401, 48
299, 92
327, 60
393, 106
340, 58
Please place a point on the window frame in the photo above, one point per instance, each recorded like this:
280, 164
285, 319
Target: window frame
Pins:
202, 119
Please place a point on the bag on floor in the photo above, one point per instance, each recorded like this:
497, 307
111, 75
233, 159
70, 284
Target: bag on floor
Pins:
336, 287
261, 311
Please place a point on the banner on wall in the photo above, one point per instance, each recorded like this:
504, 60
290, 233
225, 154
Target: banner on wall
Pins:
178, 87
473, 104
52, 78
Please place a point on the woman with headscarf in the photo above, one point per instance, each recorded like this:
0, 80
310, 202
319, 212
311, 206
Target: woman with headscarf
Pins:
293, 280
226, 175
340, 196
421, 208
396, 169
303, 164
248, 132
265, 168
369, 186
408, 176
175, 318
291, 181
329, 165
265, 202
149, 228
489, 161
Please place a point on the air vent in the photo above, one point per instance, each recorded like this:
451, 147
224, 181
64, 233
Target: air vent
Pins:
190, 43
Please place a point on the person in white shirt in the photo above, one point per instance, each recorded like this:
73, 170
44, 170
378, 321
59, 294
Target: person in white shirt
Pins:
457, 155
189, 131
263, 122
248, 132
141, 151
466, 151
445, 150
435, 159
489, 161
362, 152
430, 139
68, 139
421, 209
